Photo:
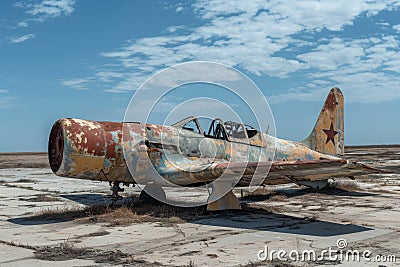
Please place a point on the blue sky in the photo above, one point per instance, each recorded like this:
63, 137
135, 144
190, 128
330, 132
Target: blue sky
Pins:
65, 58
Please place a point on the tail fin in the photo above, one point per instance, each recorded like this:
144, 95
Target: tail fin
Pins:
327, 137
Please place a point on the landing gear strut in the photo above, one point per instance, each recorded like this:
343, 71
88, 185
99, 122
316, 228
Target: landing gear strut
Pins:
115, 188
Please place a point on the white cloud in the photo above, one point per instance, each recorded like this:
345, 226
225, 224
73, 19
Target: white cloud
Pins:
244, 34
106, 76
397, 27
39, 11
201, 72
269, 38
130, 82
383, 23
23, 24
174, 28
333, 55
44, 9
22, 38
76, 83
313, 15
358, 66
5, 100
178, 9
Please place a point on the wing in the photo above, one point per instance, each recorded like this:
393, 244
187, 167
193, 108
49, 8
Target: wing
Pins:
279, 171
310, 170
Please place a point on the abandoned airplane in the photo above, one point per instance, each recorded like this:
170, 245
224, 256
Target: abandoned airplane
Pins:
227, 154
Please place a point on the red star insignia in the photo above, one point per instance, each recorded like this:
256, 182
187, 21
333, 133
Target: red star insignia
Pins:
330, 134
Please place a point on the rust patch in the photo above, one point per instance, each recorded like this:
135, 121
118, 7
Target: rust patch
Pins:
84, 164
330, 102
86, 137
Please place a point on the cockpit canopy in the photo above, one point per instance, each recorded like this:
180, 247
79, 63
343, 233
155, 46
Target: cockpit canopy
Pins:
229, 131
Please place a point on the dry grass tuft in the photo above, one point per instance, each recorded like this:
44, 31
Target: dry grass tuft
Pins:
139, 212
278, 197
345, 185
264, 193
260, 194
63, 213
125, 214
61, 252
260, 191
67, 251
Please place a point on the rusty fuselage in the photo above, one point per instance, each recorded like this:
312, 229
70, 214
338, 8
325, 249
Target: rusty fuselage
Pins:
185, 154
95, 150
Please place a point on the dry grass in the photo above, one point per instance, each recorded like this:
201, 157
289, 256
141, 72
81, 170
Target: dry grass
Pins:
264, 193
64, 213
345, 185
23, 160
126, 216
139, 212
260, 191
278, 197
67, 251
128, 213
260, 194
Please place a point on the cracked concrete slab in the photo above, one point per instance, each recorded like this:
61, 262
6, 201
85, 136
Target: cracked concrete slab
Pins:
364, 212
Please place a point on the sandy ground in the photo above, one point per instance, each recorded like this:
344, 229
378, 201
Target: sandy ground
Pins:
45, 220
23, 160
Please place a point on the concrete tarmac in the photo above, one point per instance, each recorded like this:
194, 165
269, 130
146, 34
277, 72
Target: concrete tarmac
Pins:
45, 221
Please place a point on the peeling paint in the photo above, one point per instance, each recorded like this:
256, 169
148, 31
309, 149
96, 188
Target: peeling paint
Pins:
95, 151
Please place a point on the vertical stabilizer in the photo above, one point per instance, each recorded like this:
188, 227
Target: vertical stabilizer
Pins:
327, 137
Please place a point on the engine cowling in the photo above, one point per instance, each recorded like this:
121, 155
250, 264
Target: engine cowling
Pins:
89, 150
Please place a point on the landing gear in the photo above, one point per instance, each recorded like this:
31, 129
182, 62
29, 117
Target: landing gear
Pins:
222, 197
153, 193
115, 188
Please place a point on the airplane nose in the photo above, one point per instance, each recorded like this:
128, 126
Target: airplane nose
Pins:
94, 150
56, 147
76, 148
